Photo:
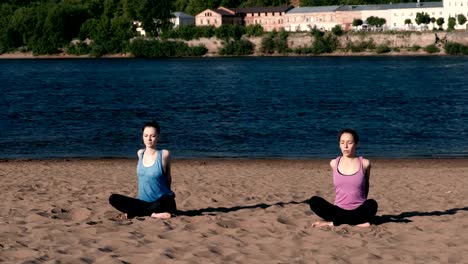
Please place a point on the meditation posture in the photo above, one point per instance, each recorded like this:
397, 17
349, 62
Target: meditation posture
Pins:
155, 197
351, 178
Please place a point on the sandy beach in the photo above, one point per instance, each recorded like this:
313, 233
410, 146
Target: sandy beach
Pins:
232, 211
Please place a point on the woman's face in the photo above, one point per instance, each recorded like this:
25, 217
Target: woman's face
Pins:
150, 137
347, 145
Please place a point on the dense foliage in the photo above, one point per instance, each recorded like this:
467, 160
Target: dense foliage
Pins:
275, 42
99, 27
144, 48
453, 48
238, 48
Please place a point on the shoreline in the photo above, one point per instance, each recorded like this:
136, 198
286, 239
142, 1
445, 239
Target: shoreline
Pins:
250, 159
28, 55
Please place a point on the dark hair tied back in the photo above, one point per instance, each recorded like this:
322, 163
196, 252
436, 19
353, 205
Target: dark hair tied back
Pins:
350, 131
152, 124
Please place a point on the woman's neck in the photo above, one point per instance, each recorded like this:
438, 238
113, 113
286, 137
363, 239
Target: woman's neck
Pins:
151, 150
348, 158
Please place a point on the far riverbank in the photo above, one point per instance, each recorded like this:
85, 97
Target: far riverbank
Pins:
399, 44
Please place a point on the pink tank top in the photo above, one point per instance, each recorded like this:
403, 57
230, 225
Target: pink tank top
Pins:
350, 189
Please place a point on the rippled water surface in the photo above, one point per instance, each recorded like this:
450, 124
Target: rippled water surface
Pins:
235, 107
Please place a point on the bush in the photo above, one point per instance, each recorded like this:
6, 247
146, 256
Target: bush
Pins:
254, 30
337, 30
238, 48
327, 43
275, 42
43, 45
360, 46
79, 48
414, 48
303, 50
157, 49
383, 49
189, 32
432, 49
227, 32
453, 48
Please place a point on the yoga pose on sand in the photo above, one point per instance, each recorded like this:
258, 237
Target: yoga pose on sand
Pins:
155, 197
351, 178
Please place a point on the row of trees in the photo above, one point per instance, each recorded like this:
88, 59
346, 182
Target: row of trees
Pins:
425, 18
421, 18
371, 21
347, 2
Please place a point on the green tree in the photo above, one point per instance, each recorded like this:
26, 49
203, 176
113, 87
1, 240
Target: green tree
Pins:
451, 24
376, 21
407, 21
254, 30
357, 22
337, 30
156, 15
422, 18
461, 19
440, 21
9, 38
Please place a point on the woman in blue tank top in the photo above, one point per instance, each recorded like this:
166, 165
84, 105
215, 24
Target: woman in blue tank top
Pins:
155, 197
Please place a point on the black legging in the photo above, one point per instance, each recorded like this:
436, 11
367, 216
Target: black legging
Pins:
135, 207
332, 213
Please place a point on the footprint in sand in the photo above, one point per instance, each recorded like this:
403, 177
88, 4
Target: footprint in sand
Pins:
285, 220
75, 214
228, 223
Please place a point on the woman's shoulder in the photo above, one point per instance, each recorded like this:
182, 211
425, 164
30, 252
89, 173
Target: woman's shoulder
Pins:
139, 152
333, 163
366, 163
166, 154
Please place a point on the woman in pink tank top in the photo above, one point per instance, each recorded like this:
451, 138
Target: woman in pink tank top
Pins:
351, 179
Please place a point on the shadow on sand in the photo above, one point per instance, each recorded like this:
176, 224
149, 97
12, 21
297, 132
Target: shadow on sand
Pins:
379, 219
403, 217
216, 210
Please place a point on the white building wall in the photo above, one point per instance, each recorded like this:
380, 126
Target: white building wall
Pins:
398, 17
306, 21
452, 8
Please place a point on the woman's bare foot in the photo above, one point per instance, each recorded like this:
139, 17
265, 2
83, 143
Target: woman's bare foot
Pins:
322, 224
161, 215
364, 225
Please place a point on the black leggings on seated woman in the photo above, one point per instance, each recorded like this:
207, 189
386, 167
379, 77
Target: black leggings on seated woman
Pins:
136, 207
365, 213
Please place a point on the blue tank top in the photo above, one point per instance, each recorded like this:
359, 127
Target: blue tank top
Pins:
152, 181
